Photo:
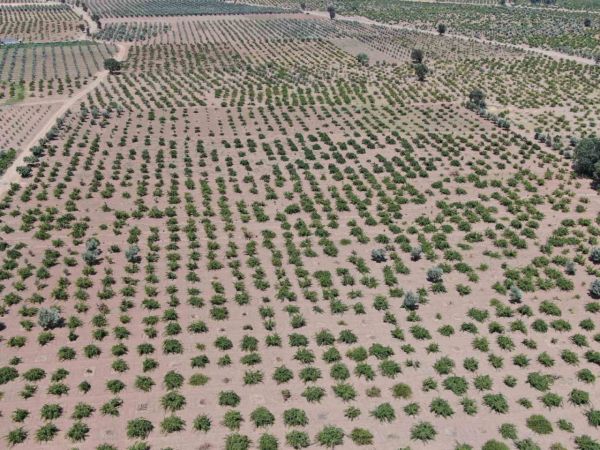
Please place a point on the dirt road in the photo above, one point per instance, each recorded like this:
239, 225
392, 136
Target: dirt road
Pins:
85, 15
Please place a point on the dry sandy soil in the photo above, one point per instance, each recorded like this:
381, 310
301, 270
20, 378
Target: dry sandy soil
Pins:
237, 176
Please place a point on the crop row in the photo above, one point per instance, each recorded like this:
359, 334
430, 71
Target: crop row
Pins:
258, 255
74, 60
39, 23
571, 32
133, 8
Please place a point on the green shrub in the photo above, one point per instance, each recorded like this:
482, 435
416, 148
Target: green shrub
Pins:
579, 397
82, 411
384, 413
282, 375
8, 374
46, 433
539, 381
469, 406
173, 380
423, 431
173, 401
233, 419
202, 423
441, 408
496, 402
262, 417
508, 431
237, 441
19, 415
313, 394
585, 442
402, 390
593, 417
51, 411
139, 428
494, 445
297, 439
361, 436
539, 424
172, 424
344, 391
16, 436
268, 442
586, 375
198, 379
229, 398
78, 432
330, 436
295, 417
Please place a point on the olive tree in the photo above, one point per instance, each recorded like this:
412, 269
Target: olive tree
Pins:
477, 99
363, 59
416, 55
49, 318
331, 10
421, 71
92, 251
112, 65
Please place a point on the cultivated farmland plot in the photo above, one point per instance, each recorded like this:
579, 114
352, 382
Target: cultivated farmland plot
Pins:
588, 5
49, 69
19, 122
275, 231
130, 8
40, 23
22, 2
574, 32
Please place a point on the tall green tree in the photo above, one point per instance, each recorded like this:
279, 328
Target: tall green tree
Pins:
421, 71
477, 98
416, 55
112, 65
587, 158
331, 10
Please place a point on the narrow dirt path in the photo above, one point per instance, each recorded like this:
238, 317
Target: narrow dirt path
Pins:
85, 15
11, 175
40, 101
550, 53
